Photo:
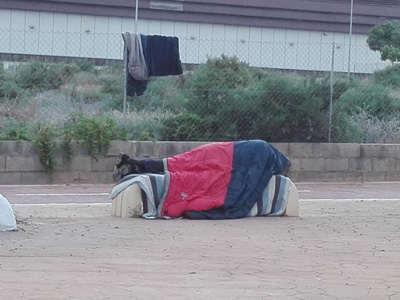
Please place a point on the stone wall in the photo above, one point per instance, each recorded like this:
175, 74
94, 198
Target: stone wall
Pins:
20, 163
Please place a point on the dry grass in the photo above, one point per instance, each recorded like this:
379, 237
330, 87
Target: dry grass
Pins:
378, 131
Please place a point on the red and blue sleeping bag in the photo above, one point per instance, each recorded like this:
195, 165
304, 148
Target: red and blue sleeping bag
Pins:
219, 180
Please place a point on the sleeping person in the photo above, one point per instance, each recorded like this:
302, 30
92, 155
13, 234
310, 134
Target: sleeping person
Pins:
222, 180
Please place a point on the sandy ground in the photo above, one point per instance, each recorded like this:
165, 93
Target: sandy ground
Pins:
345, 245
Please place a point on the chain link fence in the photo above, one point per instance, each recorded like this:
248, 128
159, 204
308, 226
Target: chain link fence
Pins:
230, 90
104, 48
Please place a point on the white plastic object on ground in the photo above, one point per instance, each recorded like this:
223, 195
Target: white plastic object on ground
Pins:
7, 218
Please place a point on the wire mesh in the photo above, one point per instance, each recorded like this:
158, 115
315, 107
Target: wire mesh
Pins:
230, 90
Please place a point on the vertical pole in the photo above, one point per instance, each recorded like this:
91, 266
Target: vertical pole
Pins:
125, 77
126, 58
350, 35
136, 15
331, 94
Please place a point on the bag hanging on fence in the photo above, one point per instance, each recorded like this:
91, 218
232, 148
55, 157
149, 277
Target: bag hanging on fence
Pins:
7, 218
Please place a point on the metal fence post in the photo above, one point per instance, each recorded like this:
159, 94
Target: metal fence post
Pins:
125, 77
350, 35
331, 94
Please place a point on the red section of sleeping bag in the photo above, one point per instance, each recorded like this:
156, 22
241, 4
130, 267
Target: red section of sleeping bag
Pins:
199, 179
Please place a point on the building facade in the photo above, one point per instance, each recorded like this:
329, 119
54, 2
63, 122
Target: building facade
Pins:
308, 35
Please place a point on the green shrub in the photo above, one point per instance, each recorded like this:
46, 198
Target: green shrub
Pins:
285, 109
211, 84
271, 107
93, 92
390, 76
222, 73
86, 79
368, 129
137, 125
86, 66
40, 76
32, 76
9, 89
223, 99
13, 129
90, 96
95, 132
59, 74
320, 87
66, 143
45, 141
346, 129
112, 84
358, 109
236, 102
110, 102
165, 93
112, 89
214, 101
374, 100
82, 84
185, 127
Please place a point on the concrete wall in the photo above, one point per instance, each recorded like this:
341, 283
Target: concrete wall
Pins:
20, 163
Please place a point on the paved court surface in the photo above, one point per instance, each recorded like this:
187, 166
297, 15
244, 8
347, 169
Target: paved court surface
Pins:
345, 245
98, 193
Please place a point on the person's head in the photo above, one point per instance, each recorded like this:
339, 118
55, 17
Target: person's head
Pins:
125, 165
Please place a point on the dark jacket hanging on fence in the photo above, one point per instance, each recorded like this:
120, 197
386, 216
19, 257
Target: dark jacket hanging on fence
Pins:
149, 55
135, 87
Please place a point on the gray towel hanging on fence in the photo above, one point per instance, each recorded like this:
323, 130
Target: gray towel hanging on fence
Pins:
135, 58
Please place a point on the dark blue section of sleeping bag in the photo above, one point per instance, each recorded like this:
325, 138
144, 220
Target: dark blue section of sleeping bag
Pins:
254, 163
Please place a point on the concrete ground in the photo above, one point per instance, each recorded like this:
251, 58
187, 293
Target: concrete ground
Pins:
345, 245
